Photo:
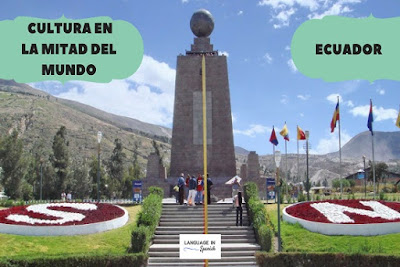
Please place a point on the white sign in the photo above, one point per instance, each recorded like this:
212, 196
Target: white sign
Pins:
200, 246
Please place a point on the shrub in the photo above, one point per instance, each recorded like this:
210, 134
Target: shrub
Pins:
156, 190
301, 197
138, 259
139, 239
382, 196
265, 237
258, 216
147, 222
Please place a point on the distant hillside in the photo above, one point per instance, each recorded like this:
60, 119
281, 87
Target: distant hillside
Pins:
37, 116
241, 151
387, 146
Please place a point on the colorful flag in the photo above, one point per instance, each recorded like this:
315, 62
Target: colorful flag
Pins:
370, 118
285, 133
300, 134
273, 138
398, 120
335, 117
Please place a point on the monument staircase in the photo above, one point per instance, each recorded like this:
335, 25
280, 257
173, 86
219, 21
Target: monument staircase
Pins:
238, 242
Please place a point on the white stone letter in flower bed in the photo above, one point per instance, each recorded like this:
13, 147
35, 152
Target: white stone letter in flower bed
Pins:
62, 219
346, 217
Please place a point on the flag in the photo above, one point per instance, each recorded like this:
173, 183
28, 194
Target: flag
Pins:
273, 138
285, 133
370, 118
335, 117
300, 134
398, 120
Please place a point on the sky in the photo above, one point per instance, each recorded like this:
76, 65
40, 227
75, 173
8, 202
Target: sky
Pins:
266, 88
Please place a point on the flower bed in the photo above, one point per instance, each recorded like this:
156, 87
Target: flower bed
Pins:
346, 217
62, 219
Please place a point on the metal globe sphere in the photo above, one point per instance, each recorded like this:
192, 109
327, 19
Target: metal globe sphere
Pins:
202, 23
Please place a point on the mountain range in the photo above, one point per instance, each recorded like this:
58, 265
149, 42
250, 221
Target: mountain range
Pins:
37, 115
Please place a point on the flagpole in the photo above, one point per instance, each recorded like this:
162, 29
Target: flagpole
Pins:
286, 174
297, 152
373, 162
340, 155
203, 69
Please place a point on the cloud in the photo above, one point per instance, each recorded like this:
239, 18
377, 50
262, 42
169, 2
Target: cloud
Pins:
301, 114
292, 66
287, 48
381, 91
334, 97
283, 18
303, 97
330, 143
148, 95
185, 1
233, 118
240, 13
283, 10
284, 99
254, 130
223, 53
380, 113
268, 58
336, 9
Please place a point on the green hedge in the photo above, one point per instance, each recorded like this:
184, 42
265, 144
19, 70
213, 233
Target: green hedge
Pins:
156, 190
147, 222
325, 259
258, 216
138, 259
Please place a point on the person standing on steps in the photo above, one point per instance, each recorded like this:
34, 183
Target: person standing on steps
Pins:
239, 209
192, 191
199, 189
209, 186
181, 185
235, 189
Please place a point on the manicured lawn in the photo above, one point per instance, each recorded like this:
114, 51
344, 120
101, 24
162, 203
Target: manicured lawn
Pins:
111, 242
297, 239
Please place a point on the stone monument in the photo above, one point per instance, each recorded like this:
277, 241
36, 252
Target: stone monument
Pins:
187, 131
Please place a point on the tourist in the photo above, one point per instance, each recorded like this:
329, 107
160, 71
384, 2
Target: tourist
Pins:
239, 209
187, 186
69, 196
209, 186
199, 189
181, 185
235, 188
63, 196
192, 191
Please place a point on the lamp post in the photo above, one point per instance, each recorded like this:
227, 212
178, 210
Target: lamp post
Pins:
307, 133
278, 189
41, 178
99, 136
365, 179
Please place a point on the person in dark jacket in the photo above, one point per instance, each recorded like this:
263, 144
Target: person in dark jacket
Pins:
192, 191
181, 185
239, 209
209, 186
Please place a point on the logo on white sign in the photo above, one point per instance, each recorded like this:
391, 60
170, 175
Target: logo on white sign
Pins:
199, 246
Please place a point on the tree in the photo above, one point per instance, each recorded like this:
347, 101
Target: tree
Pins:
93, 167
60, 159
380, 172
11, 162
134, 173
116, 168
80, 183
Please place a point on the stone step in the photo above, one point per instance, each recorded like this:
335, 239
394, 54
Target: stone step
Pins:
224, 247
224, 258
223, 232
210, 224
199, 218
223, 241
250, 235
201, 264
